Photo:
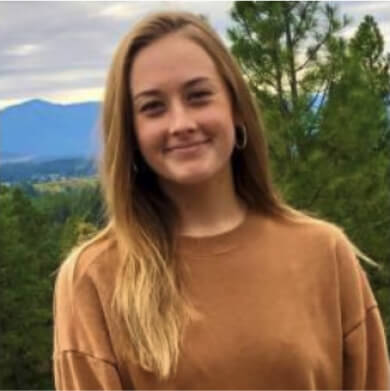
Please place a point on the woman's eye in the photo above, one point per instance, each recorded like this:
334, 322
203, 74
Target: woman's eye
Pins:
197, 95
151, 106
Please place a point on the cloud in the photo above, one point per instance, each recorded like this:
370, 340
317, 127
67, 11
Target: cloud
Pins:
120, 11
51, 48
356, 10
23, 50
63, 49
361, 8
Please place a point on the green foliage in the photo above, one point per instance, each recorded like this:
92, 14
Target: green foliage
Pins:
282, 48
75, 231
37, 231
26, 262
368, 46
62, 200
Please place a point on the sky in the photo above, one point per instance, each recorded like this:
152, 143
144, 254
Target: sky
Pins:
61, 50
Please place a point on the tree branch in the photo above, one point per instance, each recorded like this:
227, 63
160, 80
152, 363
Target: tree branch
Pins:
296, 36
313, 52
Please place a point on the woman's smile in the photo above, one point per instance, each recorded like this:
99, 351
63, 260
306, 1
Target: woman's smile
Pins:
189, 149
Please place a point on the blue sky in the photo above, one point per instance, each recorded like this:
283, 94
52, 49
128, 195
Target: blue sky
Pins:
60, 51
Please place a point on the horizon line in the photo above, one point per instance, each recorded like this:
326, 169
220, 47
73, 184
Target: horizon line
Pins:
4, 104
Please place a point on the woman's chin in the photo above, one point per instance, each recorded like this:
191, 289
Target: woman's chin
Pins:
188, 179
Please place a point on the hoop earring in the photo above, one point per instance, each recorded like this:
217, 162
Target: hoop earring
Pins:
242, 129
135, 168
136, 154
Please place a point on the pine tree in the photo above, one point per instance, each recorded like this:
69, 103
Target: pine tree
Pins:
282, 50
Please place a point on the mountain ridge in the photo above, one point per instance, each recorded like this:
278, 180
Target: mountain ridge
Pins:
39, 129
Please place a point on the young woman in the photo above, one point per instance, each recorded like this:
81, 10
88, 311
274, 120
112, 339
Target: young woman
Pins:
204, 277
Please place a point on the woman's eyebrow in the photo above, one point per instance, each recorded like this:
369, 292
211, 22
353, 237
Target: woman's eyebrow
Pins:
154, 91
195, 81
151, 92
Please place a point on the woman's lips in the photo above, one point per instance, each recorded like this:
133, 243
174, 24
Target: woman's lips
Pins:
188, 146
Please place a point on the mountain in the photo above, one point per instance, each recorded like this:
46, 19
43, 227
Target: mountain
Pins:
38, 130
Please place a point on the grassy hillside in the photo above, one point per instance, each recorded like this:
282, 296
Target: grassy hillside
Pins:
64, 185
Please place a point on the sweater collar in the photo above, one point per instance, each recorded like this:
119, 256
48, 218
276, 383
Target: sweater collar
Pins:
221, 243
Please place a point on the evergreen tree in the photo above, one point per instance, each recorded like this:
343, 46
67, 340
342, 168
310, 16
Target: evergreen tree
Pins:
368, 46
282, 50
36, 235
25, 315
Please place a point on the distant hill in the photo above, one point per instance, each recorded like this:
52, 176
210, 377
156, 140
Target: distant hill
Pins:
38, 130
38, 172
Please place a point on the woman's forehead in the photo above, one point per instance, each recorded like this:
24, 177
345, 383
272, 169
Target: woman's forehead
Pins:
173, 59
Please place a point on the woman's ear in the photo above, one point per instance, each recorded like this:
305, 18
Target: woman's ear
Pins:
237, 117
238, 121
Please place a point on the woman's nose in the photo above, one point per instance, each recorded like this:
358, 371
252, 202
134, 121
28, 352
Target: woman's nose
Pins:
180, 119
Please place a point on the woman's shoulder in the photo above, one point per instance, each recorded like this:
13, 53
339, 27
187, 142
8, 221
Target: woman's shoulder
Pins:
307, 229
82, 296
96, 260
319, 238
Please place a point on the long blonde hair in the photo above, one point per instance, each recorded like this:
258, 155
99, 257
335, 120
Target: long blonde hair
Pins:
148, 302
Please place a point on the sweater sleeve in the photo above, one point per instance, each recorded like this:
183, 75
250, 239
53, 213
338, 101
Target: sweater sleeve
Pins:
79, 371
83, 356
366, 363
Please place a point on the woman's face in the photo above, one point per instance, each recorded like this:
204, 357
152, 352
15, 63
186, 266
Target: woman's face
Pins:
182, 111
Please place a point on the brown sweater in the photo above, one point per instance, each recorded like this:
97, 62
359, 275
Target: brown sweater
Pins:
288, 307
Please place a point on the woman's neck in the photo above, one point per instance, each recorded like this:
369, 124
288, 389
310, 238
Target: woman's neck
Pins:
207, 208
